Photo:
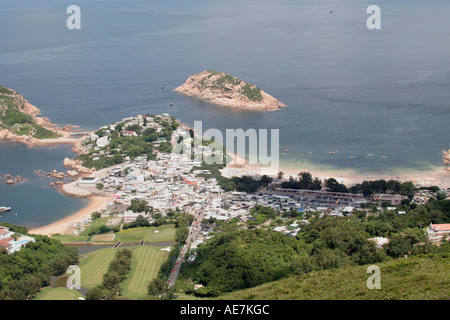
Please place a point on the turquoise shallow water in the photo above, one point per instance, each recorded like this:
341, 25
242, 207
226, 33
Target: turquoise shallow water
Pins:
378, 99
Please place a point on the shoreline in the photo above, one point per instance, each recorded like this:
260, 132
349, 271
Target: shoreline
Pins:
96, 203
5, 135
438, 176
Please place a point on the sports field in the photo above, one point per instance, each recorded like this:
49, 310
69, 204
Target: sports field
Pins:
94, 265
151, 234
146, 262
58, 294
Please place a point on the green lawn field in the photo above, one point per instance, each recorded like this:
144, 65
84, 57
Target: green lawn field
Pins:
146, 263
94, 265
164, 233
58, 294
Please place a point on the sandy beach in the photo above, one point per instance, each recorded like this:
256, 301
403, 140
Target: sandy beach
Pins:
63, 226
436, 177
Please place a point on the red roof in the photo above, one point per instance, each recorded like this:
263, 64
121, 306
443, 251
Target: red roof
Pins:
5, 242
441, 227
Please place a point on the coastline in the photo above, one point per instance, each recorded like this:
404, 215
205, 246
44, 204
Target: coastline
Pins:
33, 142
438, 176
62, 226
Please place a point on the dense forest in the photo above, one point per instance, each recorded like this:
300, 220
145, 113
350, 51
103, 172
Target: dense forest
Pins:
237, 259
24, 273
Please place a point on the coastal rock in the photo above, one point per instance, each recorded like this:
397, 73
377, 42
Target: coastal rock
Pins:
72, 173
224, 89
446, 157
71, 190
22, 122
77, 165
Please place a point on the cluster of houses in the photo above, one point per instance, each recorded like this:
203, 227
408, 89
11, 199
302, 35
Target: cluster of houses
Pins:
96, 142
438, 232
172, 182
12, 241
166, 183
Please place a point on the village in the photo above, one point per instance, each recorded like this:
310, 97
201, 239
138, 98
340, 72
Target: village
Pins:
176, 182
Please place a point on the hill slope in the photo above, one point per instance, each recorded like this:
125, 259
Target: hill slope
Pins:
425, 277
224, 89
19, 119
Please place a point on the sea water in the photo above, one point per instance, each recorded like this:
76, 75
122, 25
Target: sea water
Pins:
372, 101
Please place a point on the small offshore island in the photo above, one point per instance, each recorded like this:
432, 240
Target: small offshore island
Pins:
227, 90
143, 189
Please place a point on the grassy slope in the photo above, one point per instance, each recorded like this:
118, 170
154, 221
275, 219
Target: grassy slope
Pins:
146, 262
93, 265
166, 233
424, 277
252, 92
58, 294
11, 114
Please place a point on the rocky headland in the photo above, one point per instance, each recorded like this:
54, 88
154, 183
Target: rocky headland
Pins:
22, 122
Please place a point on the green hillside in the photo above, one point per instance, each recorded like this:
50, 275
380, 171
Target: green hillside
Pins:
14, 118
423, 277
252, 92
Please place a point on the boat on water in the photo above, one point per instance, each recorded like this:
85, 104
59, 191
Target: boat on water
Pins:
5, 209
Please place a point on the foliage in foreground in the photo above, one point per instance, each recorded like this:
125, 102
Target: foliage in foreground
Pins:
423, 277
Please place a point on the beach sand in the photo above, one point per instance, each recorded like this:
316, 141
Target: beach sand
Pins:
435, 177
63, 226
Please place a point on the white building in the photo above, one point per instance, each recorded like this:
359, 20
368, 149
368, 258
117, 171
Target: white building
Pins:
102, 142
13, 243
130, 216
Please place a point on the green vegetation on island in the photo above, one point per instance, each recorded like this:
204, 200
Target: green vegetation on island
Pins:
252, 92
146, 137
15, 119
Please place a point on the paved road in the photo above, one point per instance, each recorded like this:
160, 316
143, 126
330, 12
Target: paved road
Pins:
193, 233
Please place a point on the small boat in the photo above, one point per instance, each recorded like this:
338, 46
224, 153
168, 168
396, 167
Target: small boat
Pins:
5, 209
171, 104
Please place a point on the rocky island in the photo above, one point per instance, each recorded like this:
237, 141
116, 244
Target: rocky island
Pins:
224, 89
20, 121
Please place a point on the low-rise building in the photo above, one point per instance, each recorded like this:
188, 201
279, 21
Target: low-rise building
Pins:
438, 232
12, 241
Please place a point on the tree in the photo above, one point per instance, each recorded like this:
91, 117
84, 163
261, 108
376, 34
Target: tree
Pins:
265, 180
156, 287
181, 234
441, 195
280, 175
334, 186
96, 293
138, 205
